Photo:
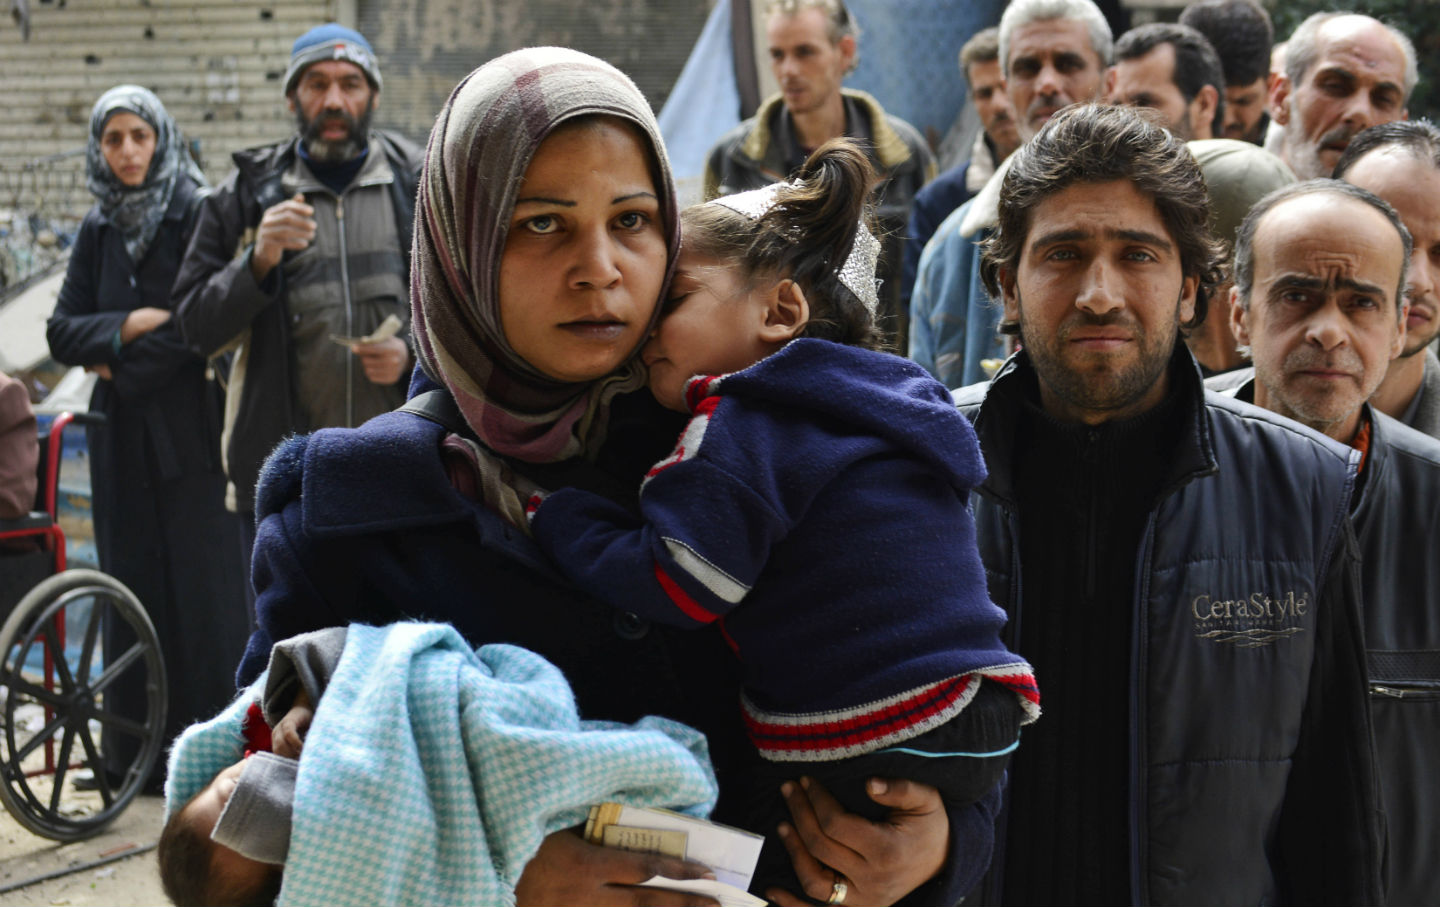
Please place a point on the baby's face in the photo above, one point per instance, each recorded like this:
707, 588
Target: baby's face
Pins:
710, 326
204, 811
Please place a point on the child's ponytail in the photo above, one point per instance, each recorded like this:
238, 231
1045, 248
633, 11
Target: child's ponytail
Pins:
806, 236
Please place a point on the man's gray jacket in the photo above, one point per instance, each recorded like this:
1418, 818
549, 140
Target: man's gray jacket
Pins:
1251, 773
287, 376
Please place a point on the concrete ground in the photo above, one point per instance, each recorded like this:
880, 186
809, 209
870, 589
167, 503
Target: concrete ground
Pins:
127, 880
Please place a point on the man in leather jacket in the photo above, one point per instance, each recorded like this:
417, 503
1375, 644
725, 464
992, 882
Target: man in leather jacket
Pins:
1320, 278
1178, 566
305, 244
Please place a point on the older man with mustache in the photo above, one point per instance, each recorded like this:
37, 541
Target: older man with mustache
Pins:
1344, 73
1320, 275
306, 241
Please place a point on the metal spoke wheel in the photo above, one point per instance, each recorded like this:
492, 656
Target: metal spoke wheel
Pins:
82, 699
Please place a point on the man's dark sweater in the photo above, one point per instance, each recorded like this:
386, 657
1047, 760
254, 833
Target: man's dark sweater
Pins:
1085, 493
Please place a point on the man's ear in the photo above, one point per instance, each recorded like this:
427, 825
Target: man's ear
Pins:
1202, 109
1009, 294
290, 101
1239, 319
1280, 98
847, 52
1189, 290
1399, 343
786, 312
1109, 83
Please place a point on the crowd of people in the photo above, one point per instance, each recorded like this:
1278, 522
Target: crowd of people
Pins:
1158, 450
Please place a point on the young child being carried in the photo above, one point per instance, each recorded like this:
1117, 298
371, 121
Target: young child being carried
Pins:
228, 844
430, 774
815, 508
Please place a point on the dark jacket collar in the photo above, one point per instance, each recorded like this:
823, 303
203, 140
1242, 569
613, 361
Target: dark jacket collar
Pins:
1008, 393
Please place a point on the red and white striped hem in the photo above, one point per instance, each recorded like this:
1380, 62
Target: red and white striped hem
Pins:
845, 733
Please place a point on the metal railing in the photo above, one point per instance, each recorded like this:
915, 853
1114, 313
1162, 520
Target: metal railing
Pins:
41, 204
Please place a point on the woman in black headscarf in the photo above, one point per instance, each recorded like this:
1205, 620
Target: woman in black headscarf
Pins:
160, 521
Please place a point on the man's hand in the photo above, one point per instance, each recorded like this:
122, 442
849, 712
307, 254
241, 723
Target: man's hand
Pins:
102, 370
566, 870
288, 225
384, 361
880, 861
142, 321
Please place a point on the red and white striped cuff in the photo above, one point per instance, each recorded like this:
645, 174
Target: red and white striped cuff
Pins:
844, 733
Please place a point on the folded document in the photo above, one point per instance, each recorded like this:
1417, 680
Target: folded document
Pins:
730, 852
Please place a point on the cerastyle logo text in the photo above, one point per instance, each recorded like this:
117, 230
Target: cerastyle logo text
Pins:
1246, 623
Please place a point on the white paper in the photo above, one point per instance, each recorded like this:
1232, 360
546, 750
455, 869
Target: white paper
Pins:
727, 895
731, 853
387, 329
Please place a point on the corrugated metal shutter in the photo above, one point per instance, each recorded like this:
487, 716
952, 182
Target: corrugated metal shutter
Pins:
216, 64
426, 46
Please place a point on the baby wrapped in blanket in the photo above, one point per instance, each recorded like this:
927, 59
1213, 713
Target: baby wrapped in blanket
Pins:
431, 773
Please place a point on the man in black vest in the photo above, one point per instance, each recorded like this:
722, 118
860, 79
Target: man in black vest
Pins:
1179, 567
1320, 277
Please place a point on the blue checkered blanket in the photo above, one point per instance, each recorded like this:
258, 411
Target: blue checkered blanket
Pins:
432, 772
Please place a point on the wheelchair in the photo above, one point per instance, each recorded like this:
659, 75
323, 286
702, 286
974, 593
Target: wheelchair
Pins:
82, 680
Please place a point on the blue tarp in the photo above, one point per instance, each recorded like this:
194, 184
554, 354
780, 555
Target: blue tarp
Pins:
704, 102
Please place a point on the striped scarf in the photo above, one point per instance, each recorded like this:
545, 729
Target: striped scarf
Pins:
479, 150
136, 211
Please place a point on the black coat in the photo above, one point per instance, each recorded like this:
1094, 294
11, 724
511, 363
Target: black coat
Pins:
1251, 771
160, 522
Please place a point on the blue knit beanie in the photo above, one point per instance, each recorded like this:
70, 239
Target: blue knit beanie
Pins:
331, 41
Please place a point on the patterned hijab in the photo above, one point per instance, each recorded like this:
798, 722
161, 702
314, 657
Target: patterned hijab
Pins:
137, 210
479, 150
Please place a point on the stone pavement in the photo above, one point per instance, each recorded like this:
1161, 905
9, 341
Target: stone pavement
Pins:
129, 880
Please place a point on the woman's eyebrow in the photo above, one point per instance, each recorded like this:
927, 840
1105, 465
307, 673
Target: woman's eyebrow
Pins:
625, 198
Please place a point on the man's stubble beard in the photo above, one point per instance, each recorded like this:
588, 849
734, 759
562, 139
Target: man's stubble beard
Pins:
1109, 392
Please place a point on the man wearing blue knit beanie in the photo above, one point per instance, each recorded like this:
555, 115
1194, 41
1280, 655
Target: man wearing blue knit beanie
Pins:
299, 264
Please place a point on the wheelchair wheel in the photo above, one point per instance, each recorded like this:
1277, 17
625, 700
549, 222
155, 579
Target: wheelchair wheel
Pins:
94, 700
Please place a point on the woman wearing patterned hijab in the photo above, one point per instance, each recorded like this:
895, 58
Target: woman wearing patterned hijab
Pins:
160, 523
545, 231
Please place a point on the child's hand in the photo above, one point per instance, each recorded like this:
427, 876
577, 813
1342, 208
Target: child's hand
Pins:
288, 736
